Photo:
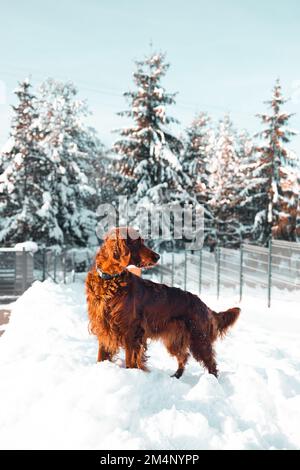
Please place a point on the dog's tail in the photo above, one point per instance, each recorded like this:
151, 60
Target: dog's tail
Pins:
226, 319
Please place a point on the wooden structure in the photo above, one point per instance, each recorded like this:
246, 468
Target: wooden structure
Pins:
16, 271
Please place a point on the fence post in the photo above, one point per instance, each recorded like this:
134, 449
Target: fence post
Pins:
64, 265
270, 272
161, 268
218, 270
44, 263
24, 270
54, 266
173, 267
73, 266
241, 270
200, 270
185, 268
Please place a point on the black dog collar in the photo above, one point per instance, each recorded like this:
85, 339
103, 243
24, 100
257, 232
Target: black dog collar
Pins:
106, 276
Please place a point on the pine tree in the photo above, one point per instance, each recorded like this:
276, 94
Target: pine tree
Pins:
277, 205
298, 215
24, 181
247, 185
197, 155
2, 160
148, 165
74, 152
224, 183
197, 163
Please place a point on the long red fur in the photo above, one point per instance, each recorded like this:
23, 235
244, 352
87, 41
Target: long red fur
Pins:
126, 311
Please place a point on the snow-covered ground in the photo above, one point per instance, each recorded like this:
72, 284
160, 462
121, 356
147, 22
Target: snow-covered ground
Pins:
54, 395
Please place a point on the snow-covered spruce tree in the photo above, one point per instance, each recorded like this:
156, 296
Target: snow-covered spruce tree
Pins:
197, 162
247, 185
298, 215
148, 156
74, 151
108, 178
24, 181
95, 164
2, 160
277, 205
225, 189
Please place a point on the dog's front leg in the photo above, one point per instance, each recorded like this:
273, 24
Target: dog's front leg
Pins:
135, 357
103, 354
130, 361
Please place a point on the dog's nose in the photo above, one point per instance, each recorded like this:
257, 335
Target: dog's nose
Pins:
156, 257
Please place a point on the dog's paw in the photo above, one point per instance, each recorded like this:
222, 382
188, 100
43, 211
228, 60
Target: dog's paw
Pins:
178, 373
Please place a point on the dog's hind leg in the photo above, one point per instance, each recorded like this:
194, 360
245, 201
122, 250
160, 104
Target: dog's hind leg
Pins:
176, 342
182, 360
204, 352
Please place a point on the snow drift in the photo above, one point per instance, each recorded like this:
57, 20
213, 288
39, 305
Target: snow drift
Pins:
54, 395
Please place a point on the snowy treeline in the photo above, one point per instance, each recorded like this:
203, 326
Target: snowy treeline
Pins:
50, 168
55, 170
248, 186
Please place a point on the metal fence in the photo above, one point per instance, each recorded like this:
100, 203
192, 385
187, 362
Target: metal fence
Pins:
18, 269
49, 264
62, 266
252, 270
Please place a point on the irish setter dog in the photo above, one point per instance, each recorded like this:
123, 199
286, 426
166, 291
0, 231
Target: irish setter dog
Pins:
125, 310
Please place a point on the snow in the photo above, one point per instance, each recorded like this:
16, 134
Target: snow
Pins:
159, 92
275, 192
170, 157
161, 150
27, 246
161, 112
54, 395
270, 212
8, 146
47, 202
19, 159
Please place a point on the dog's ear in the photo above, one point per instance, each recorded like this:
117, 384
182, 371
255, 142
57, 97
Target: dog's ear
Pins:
116, 252
122, 251
111, 245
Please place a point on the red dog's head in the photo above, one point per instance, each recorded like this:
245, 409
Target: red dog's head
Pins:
122, 247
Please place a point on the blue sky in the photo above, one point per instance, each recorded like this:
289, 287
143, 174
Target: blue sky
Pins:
225, 54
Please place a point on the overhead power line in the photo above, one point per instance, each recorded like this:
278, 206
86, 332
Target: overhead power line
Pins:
114, 92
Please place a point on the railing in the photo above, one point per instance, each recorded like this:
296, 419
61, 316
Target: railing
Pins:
16, 271
62, 266
19, 268
49, 264
250, 271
